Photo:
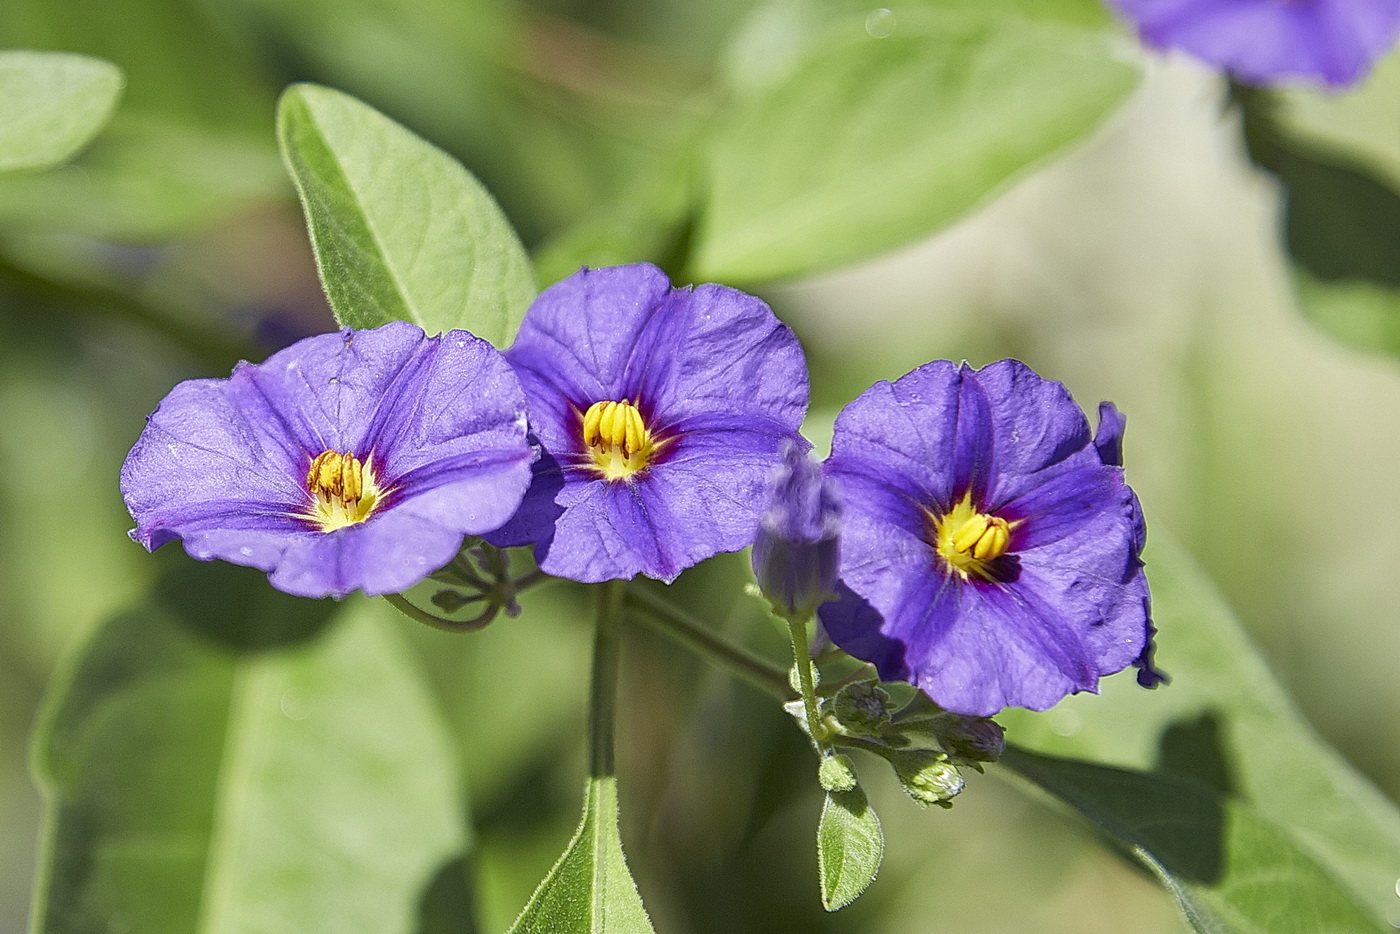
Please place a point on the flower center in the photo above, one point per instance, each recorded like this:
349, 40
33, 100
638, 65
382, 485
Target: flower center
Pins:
970, 540
343, 489
617, 438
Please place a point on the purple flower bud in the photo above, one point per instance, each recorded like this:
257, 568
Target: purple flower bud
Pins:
797, 552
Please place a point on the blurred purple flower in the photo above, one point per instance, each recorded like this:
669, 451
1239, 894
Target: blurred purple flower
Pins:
797, 551
661, 412
349, 461
990, 552
1263, 42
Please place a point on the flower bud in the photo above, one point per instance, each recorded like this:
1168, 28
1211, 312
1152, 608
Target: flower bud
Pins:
972, 739
797, 551
836, 773
928, 776
862, 706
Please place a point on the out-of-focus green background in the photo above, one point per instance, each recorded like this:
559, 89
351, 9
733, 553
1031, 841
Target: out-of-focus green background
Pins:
1142, 266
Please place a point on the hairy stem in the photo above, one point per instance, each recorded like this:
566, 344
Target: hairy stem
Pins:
802, 661
603, 696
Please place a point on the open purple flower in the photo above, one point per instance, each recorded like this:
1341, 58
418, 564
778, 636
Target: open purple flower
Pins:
1263, 42
661, 412
349, 461
990, 551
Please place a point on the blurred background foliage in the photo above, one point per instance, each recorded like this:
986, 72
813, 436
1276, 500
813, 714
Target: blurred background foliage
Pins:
1132, 227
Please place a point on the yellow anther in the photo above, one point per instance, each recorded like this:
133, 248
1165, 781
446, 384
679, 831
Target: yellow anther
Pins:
343, 490
966, 536
970, 540
617, 438
993, 542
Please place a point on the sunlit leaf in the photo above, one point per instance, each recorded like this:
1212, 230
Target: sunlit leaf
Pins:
869, 142
401, 230
1225, 721
849, 847
228, 759
1230, 871
192, 141
589, 891
51, 105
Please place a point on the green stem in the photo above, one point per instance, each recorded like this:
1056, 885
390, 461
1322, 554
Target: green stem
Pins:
802, 661
603, 696
685, 629
400, 603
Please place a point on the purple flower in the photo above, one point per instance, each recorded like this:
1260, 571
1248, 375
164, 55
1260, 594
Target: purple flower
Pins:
1265, 41
990, 552
797, 551
349, 461
661, 412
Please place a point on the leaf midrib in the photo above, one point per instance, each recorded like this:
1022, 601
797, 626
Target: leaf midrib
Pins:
414, 312
229, 797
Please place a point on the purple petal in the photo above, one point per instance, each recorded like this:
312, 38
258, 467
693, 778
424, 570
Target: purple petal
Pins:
716, 349
389, 553
1037, 430
1265, 41
906, 433
199, 454
580, 333
1108, 439
702, 499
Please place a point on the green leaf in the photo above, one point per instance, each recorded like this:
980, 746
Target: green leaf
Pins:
589, 890
1230, 871
401, 230
227, 758
1341, 200
51, 105
1362, 313
146, 179
849, 847
1224, 720
868, 143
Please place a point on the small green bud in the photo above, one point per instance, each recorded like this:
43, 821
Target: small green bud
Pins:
836, 773
928, 776
862, 707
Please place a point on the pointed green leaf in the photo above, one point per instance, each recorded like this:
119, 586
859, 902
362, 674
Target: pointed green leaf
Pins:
401, 230
870, 142
589, 890
850, 845
227, 759
51, 105
1224, 719
1231, 871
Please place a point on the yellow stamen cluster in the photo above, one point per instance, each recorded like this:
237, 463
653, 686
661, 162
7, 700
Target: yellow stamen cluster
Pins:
970, 540
343, 489
618, 439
